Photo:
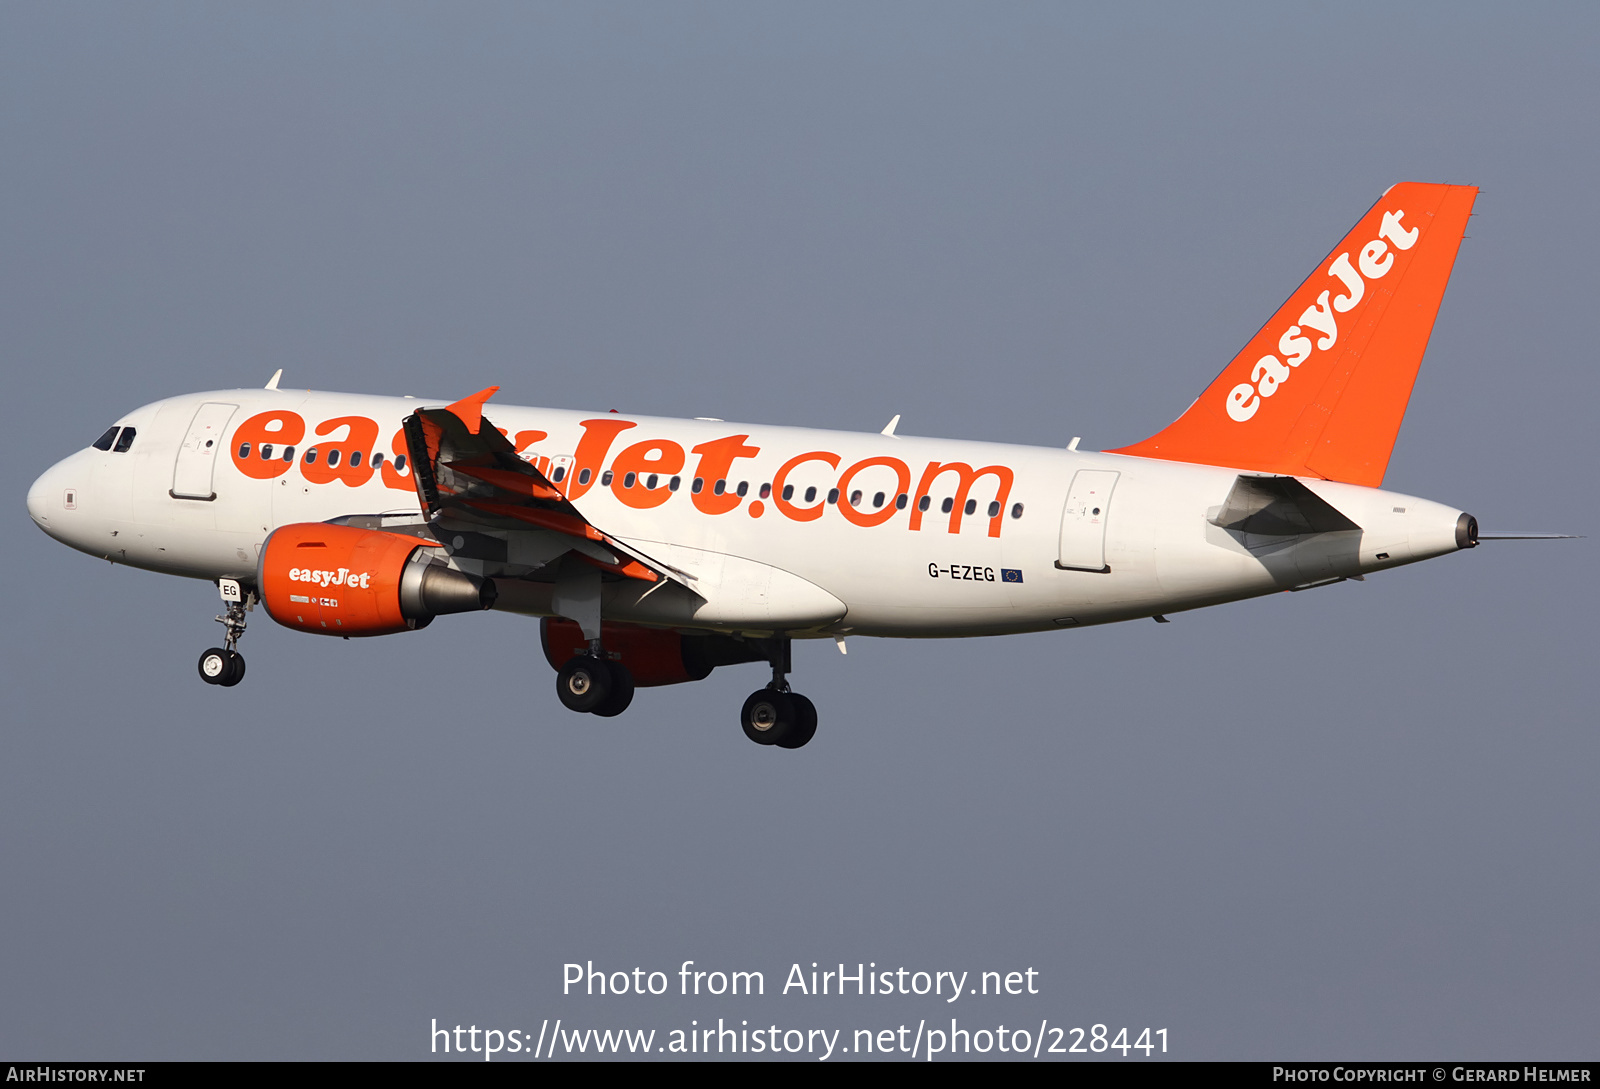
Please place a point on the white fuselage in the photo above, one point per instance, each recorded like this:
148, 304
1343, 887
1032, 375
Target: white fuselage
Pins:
756, 563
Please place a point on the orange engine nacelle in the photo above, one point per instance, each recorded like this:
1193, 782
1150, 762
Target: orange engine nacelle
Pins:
339, 580
653, 656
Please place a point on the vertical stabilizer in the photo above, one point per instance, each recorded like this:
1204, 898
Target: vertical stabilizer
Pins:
1322, 388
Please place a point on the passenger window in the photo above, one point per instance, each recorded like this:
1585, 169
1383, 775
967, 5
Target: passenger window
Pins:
766, 491
877, 500
288, 453
788, 491
650, 485
925, 502
697, 485
946, 506
399, 463
972, 505
605, 479
266, 451
627, 481
333, 457
744, 486
674, 482
584, 475
994, 508
1016, 510
311, 455
720, 487
811, 493
124, 441
855, 498
900, 501
560, 474
244, 450
377, 459
355, 458
104, 441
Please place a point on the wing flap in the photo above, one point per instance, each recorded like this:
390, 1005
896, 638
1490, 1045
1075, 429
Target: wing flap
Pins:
468, 474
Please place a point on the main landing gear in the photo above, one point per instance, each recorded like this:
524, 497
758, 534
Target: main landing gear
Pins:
224, 665
774, 715
595, 684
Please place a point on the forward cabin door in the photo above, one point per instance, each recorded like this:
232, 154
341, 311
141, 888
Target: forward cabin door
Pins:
1083, 521
197, 457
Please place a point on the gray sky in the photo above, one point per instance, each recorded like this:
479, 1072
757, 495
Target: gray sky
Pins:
1359, 822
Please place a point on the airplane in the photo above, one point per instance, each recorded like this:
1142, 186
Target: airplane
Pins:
655, 550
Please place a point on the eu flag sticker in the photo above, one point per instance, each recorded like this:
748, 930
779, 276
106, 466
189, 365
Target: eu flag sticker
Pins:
1007, 574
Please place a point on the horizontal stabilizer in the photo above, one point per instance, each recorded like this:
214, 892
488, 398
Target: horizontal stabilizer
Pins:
1278, 506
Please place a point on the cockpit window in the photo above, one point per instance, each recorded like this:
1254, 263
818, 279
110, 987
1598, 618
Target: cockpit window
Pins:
104, 441
125, 440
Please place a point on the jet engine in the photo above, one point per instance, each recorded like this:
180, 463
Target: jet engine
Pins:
340, 580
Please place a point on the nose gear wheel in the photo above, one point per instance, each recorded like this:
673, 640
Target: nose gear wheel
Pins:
224, 665
221, 666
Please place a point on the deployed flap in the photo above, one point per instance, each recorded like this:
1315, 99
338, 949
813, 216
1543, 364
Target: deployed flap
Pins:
467, 473
1278, 506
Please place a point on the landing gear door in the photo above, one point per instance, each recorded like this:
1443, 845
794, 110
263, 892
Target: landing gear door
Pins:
1083, 521
197, 457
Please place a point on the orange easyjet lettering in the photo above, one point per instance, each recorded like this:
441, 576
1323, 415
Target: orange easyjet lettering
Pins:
259, 442
345, 460
716, 464
967, 476
641, 474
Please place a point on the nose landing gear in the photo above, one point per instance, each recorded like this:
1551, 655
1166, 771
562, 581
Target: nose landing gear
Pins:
774, 715
224, 665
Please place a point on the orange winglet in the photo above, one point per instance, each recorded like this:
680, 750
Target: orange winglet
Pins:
469, 410
1321, 389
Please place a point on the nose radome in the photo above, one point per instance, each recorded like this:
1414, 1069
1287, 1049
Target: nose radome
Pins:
37, 501
47, 498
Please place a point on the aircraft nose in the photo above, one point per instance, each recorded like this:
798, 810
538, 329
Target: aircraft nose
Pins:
46, 497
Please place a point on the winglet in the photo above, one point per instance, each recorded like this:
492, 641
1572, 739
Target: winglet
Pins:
894, 423
272, 383
469, 410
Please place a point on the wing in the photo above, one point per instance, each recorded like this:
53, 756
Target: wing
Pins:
471, 481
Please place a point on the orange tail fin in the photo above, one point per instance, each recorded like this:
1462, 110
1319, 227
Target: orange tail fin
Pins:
1321, 389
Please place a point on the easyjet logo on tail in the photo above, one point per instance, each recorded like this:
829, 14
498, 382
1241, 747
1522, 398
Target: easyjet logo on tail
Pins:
1320, 320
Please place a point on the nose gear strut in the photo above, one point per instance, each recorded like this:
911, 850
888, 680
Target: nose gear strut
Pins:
224, 665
